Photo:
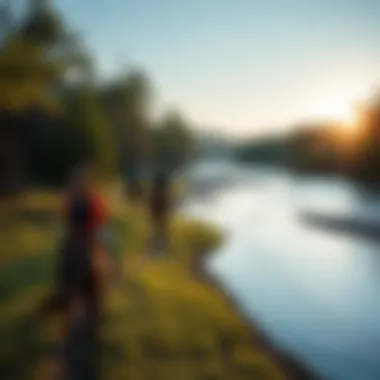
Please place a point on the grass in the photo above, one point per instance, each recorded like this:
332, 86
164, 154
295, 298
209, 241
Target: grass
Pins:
160, 321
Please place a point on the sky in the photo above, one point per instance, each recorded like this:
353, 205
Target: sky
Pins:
240, 67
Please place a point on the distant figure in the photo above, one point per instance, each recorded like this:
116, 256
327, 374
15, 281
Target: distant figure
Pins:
160, 209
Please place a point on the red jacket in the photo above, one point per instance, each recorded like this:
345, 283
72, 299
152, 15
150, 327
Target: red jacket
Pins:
96, 217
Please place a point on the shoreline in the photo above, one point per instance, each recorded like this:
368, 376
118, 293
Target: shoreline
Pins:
293, 369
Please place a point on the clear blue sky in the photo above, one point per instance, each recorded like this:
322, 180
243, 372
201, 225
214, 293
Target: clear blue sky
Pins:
240, 66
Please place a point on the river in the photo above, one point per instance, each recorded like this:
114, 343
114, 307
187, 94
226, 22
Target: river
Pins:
314, 293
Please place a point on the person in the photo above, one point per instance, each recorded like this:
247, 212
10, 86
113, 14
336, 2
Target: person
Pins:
83, 267
160, 207
82, 255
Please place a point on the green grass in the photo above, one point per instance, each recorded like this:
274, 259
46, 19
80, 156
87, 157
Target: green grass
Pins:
160, 321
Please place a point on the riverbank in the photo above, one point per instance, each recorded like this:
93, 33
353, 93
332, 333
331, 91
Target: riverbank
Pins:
291, 367
173, 325
160, 322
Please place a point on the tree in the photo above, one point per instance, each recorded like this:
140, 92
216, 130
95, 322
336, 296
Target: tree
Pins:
127, 100
173, 141
35, 57
318, 147
368, 153
88, 121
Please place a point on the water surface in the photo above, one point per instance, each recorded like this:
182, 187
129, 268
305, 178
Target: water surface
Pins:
315, 293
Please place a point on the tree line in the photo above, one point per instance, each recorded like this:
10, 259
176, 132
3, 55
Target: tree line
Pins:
326, 147
55, 112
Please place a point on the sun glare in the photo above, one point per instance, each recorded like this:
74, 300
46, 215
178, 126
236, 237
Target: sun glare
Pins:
342, 112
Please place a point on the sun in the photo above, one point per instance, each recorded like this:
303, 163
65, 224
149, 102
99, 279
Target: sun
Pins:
342, 112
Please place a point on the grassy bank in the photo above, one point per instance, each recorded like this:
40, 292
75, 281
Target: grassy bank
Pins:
160, 322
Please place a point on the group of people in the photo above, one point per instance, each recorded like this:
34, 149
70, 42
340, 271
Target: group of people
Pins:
84, 261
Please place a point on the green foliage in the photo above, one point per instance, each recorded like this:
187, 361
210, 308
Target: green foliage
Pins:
45, 68
89, 127
36, 57
173, 143
126, 100
24, 75
41, 24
